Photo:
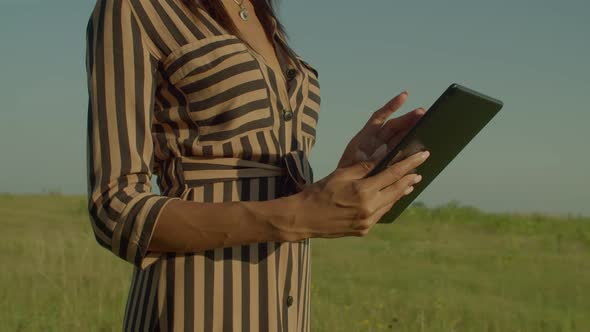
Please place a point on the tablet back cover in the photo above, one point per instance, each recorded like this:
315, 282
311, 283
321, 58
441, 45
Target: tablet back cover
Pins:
456, 117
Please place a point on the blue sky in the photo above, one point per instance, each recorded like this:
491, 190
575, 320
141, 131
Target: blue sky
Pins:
533, 55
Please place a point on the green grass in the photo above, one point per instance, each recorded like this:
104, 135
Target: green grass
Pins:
447, 268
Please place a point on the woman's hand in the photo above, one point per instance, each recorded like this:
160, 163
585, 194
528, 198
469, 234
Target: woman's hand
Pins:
375, 139
344, 203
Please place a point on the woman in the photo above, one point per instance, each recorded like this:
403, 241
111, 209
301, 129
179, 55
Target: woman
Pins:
210, 97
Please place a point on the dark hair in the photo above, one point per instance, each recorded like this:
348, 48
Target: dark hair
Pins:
264, 11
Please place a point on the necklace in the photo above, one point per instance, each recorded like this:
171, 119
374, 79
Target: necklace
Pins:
243, 11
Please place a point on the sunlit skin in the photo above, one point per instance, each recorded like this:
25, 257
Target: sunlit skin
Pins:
252, 32
377, 136
380, 135
340, 204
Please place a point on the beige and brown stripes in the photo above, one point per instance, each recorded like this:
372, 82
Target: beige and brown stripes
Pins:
119, 148
172, 93
275, 272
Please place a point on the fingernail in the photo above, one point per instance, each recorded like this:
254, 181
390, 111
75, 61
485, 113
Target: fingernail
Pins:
379, 151
361, 155
405, 92
417, 178
408, 190
424, 154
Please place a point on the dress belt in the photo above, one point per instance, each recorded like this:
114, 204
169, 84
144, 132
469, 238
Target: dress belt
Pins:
197, 170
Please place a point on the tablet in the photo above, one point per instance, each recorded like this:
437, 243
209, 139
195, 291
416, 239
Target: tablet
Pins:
454, 119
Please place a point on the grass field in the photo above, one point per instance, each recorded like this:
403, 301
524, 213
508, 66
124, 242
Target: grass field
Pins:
446, 268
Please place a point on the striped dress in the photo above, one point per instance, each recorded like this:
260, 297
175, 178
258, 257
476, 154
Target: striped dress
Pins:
172, 93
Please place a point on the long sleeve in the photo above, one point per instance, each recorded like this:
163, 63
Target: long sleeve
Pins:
121, 84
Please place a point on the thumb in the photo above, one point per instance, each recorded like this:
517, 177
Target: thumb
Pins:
366, 163
379, 153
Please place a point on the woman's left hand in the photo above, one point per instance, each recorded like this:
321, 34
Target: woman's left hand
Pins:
377, 137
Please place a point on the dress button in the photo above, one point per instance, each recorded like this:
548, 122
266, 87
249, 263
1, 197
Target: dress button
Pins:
291, 73
289, 300
287, 115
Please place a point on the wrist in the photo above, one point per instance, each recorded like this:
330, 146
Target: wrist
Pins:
279, 217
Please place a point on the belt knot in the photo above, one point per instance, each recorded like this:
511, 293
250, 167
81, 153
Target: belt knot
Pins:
299, 170
198, 170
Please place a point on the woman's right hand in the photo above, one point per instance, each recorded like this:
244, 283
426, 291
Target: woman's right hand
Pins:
345, 204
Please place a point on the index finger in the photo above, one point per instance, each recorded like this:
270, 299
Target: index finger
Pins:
378, 117
394, 172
